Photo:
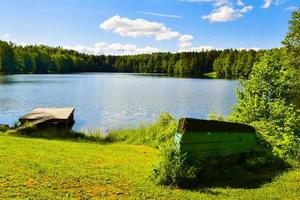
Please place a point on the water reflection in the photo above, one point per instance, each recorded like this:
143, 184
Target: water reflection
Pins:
115, 100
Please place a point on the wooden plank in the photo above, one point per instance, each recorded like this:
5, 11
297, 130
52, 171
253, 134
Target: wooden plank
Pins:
40, 121
53, 113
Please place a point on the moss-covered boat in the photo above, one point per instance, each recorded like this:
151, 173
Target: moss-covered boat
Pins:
210, 138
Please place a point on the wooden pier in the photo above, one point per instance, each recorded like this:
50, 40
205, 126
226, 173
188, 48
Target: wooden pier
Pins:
50, 116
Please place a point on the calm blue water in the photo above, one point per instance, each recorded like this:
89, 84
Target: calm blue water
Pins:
104, 101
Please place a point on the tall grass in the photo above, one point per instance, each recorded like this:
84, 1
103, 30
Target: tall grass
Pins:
154, 135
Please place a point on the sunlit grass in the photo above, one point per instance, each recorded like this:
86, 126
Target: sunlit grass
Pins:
45, 169
210, 75
49, 164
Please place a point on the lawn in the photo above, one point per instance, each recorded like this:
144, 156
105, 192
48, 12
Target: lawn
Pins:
62, 169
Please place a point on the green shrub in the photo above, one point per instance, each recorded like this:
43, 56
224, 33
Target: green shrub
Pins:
266, 102
3, 128
172, 168
248, 169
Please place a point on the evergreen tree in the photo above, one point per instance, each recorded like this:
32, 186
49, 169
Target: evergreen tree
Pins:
7, 59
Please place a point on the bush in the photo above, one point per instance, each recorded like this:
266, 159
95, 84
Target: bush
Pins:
266, 102
173, 168
248, 169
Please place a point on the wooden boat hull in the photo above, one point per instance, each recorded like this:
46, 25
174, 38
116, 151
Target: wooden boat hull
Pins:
204, 138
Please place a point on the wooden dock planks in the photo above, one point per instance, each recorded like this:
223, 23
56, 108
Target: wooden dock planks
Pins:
54, 115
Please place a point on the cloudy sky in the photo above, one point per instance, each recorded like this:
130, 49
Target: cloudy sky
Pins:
142, 26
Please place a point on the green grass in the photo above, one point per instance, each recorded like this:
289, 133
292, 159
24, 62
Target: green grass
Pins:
37, 168
153, 135
210, 75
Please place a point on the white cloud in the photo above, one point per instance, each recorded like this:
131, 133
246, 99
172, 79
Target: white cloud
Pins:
222, 2
291, 8
213, 2
226, 13
184, 41
185, 44
224, 10
103, 48
6, 36
135, 28
278, 2
209, 48
252, 48
246, 9
140, 28
232, 3
159, 14
240, 3
185, 38
168, 35
23, 44
267, 3
197, 49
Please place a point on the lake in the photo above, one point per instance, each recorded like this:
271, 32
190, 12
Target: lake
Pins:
112, 100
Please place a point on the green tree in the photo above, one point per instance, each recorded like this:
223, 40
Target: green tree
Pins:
43, 62
7, 59
265, 102
292, 44
292, 38
42, 59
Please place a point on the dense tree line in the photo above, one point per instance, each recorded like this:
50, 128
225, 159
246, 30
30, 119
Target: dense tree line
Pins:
190, 63
236, 63
41, 59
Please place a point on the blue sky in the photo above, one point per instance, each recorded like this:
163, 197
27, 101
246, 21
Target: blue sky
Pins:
138, 26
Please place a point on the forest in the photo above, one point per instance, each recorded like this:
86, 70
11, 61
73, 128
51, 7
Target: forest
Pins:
40, 59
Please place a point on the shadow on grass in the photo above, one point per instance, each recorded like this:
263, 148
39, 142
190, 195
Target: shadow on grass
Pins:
247, 171
58, 133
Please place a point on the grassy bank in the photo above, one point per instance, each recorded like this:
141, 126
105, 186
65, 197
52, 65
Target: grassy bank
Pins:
46, 169
210, 75
51, 163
